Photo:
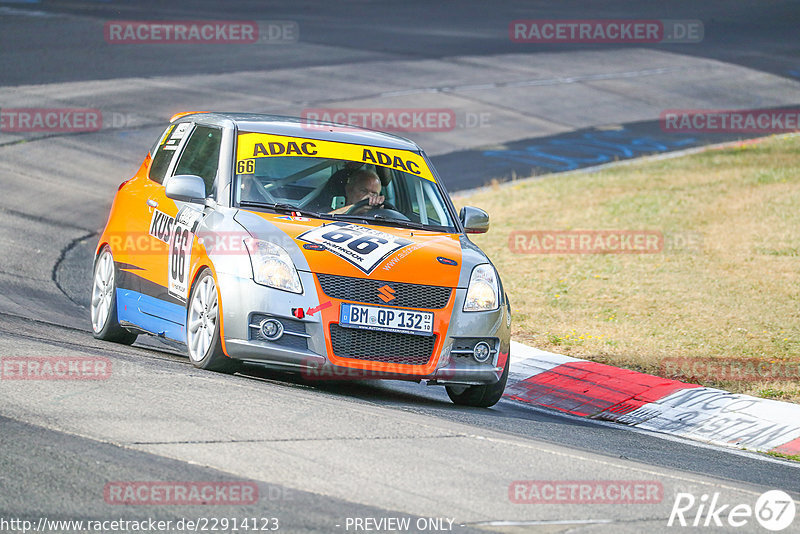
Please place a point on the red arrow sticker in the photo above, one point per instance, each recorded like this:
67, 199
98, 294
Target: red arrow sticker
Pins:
312, 311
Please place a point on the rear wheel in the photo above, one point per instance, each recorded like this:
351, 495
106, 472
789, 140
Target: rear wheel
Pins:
103, 306
203, 328
481, 396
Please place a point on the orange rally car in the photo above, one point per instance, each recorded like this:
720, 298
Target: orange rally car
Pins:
318, 247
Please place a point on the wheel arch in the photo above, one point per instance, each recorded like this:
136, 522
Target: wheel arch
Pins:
99, 248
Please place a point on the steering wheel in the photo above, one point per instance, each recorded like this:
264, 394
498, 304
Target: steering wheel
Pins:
365, 202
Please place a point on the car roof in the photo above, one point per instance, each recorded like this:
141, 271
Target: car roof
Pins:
302, 128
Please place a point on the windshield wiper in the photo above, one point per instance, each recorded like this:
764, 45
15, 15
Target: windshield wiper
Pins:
280, 207
384, 220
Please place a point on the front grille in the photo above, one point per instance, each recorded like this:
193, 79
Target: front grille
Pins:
388, 347
366, 291
290, 326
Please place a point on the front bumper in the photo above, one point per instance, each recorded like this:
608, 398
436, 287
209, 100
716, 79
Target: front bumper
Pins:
306, 348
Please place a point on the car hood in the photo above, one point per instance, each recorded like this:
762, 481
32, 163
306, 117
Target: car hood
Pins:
362, 250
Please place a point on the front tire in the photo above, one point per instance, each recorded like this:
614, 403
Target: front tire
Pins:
203, 328
103, 308
481, 396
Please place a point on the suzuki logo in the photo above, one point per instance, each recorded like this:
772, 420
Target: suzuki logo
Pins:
386, 293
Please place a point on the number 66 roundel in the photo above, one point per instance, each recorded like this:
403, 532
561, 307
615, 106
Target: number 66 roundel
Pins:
363, 247
180, 251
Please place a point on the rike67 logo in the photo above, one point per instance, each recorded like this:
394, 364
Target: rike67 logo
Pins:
774, 510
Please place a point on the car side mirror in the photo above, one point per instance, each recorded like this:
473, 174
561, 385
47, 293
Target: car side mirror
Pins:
186, 188
475, 220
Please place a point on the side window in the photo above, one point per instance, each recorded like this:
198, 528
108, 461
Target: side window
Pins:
423, 203
166, 148
201, 155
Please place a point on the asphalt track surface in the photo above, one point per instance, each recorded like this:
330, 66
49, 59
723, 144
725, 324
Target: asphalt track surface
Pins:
323, 453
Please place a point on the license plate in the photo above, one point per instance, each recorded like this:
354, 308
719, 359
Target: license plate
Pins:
386, 319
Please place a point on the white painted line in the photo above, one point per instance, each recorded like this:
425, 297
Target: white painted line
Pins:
540, 522
535, 82
22, 12
529, 361
521, 352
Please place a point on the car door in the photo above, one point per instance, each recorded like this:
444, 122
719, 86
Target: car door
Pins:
173, 224
149, 222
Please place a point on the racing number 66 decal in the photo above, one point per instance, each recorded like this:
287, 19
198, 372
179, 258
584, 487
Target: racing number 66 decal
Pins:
246, 166
364, 247
180, 252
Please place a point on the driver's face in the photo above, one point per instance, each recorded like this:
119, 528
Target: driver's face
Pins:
363, 188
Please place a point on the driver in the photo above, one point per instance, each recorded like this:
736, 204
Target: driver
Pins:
362, 185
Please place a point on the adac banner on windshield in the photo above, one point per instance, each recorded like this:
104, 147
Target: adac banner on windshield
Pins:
258, 145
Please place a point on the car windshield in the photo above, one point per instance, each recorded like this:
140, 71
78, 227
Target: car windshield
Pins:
373, 187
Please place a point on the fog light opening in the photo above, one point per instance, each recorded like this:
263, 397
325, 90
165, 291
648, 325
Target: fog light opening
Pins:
271, 329
482, 352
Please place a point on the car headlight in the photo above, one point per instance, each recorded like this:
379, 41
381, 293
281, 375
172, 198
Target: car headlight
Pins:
483, 293
272, 266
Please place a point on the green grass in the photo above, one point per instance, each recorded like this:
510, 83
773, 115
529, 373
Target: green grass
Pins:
726, 285
794, 457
